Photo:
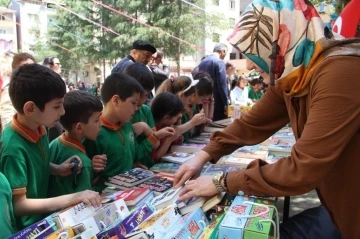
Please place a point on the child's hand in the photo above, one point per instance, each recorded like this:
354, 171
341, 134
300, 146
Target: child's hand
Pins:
165, 132
64, 169
89, 197
99, 163
175, 136
199, 118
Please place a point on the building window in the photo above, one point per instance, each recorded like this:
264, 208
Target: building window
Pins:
2, 31
232, 4
216, 37
2, 17
33, 17
231, 22
232, 56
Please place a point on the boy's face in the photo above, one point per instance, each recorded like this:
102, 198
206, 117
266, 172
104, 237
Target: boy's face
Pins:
51, 114
143, 98
126, 109
92, 129
171, 120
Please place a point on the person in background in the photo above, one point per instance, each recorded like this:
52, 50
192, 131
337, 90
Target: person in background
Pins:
254, 89
302, 61
54, 64
7, 110
215, 67
230, 75
240, 93
142, 52
159, 74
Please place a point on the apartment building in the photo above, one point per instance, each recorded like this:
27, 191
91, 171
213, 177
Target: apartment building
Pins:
8, 36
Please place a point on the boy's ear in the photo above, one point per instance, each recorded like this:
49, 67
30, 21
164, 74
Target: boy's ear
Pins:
29, 108
78, 127
115, 100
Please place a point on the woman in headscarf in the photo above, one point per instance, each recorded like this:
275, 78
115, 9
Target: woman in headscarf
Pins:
314, 85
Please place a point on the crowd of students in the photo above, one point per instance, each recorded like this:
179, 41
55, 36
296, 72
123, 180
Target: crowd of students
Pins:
105, 137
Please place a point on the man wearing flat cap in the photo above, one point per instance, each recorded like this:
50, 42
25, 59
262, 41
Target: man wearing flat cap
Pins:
141, 52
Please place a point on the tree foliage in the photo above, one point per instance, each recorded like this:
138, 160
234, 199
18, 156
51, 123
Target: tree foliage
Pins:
167, 18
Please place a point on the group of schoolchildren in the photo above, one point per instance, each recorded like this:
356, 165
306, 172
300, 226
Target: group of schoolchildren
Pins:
105, 138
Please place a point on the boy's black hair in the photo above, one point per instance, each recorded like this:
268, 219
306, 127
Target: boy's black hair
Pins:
120, 84
36, 83
255, 81
79, 106
166, 103
142, 74
205, 85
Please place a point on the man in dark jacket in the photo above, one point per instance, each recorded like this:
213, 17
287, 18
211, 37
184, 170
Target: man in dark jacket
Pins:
141, 52
215, 66
159, 74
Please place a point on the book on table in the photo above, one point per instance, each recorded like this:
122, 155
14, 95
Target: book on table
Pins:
191, 204
177, 157
165, 168
130, 196
212, 202
213, 169
187, 148
199, 140
132, 177
165, 199
157, 185
251, 152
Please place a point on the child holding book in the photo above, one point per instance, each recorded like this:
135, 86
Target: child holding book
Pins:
81, 120
167, 110
144, 76
36, 93
184, 88
116, 146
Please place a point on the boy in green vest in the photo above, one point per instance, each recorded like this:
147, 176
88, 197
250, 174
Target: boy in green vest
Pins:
37, 94
116, 150
81, 120
145, 77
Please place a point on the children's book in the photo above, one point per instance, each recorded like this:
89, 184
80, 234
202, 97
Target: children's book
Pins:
189, 226
163, 200
212, 202
213, 169
186, 206
157, 224
132, 177
157, 185
256, 227
177, 157
147, 199
251, 152
187, 148
138, 235
165, 168
40, 230
234, 222
238, 162
212, 230
130, 196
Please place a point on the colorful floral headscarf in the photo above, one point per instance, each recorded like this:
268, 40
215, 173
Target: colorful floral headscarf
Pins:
287, 39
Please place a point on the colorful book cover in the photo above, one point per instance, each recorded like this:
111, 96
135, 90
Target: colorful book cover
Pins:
234, 222
157, 185
234, 161
189, 226
212, 230
165, 168
251, 152
146, 199
255, 228
199, 140
121, 228
213, 169
165, 199
39, 230
156, 225
193, 203
72, 215
66, 232
133, 177
130, 196
177, 157
281, 147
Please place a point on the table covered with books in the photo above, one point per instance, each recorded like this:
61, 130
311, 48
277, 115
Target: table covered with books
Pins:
143, 203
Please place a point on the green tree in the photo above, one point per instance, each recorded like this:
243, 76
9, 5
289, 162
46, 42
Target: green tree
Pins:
4, 3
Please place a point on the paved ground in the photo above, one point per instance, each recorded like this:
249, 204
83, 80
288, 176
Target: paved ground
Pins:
299, 203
